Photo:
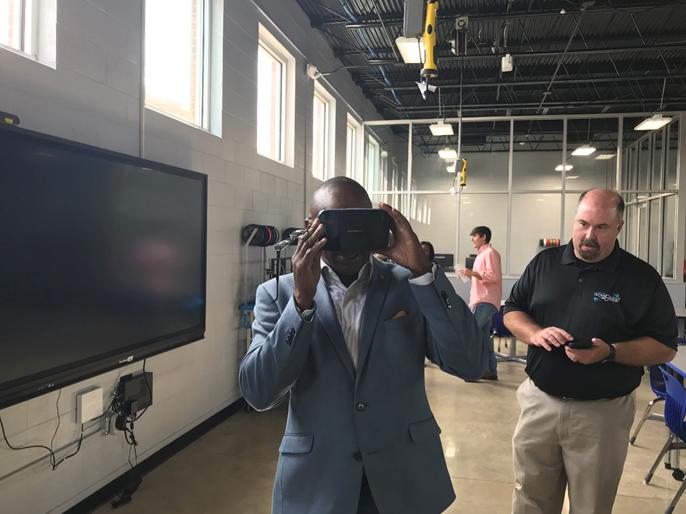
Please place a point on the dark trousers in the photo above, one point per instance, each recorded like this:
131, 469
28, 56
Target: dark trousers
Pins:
366, 505
483, 312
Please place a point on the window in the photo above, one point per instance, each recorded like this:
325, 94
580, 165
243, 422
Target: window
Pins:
394, 185
270, 94
383, 180
323, 129
353, 150
177, 40
373, 162
403, 200
29, 27
16, 30
275, 99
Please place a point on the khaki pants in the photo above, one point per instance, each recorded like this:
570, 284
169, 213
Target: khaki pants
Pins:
559, 444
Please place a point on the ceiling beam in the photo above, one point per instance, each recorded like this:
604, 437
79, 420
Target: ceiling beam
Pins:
526, 105
653, 38
393, 19
521, 55
412, 87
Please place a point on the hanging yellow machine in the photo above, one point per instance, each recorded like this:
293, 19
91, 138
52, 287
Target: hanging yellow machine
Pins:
430, 72
430, 69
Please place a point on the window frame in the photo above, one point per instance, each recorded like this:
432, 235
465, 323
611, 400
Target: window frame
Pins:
26, 24
354, 164
38, 26
328, 138
280, 157
287, 115
371, 173
203, 73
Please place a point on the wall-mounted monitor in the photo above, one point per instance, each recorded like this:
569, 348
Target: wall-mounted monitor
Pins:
102, 261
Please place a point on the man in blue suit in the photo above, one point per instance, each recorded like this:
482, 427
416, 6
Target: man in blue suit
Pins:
346, 338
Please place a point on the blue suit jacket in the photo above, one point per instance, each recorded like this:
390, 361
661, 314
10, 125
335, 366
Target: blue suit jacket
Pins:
378, 417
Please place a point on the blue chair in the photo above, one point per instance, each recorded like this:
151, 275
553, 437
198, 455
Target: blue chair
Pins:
675, 410
657, 384
498, 329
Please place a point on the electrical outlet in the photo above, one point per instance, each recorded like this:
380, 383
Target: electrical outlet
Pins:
89, 405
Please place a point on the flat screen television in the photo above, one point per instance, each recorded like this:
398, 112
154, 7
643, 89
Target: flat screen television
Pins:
102, 261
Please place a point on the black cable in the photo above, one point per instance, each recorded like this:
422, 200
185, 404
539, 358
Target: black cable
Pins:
59, 421
147, 385
18, 448
278, 272
132, 447
78, 449
54, 463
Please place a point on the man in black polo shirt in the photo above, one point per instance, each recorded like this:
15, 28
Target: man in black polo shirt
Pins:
577, 405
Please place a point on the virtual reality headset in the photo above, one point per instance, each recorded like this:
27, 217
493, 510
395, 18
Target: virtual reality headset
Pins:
356, 230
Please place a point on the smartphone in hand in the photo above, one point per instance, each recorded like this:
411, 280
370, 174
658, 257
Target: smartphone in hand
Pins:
578, 344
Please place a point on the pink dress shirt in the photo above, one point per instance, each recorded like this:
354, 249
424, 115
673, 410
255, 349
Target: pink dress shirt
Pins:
490, 288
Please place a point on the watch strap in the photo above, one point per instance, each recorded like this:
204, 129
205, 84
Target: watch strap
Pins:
611, 356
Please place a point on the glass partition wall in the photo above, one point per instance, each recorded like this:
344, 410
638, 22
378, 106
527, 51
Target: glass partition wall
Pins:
649, 178
524, 178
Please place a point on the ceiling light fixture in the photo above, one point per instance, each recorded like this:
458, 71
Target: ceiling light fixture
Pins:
442, 129
605, 157
506, 63
654, 122
411, 49
567, 167
584, 150
447, 153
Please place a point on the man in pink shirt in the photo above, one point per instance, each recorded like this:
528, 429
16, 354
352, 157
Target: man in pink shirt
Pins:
487, 287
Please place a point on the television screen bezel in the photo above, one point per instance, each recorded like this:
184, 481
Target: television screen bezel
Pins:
37, 384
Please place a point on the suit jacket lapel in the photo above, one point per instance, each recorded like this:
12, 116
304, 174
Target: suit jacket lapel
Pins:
376, 296
326, 314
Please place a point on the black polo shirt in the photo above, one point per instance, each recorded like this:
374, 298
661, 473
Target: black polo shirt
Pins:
618, 299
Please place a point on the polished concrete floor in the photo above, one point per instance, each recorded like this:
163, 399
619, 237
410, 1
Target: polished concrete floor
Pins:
230, 470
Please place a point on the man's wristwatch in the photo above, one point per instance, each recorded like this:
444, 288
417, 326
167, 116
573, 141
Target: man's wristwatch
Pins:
611, 356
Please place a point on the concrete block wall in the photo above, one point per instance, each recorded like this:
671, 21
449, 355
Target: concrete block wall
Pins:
92, 96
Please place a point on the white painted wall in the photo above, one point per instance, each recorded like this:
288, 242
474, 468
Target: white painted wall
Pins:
93, 97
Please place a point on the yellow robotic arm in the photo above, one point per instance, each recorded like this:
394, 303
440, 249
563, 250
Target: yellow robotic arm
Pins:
463, 173
430, 69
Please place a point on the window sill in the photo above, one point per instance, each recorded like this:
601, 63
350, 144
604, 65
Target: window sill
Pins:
270, 159
29, 57
184, 122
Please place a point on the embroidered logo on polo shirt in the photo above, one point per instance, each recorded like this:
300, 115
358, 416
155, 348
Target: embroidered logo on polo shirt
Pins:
599, 296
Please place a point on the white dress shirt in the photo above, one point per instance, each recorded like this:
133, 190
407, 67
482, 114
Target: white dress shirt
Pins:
349, 302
